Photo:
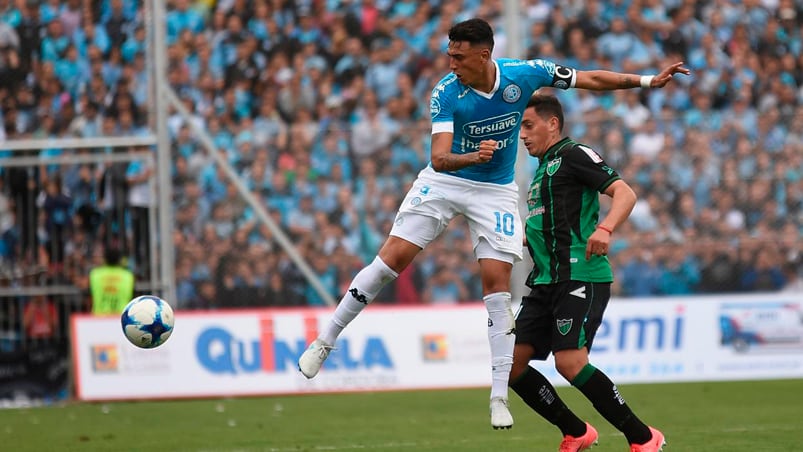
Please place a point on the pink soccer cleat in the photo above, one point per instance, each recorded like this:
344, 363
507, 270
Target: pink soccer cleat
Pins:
655, 444
578, 443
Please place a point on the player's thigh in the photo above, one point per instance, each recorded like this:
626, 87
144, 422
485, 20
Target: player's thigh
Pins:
426, 209
534, 321
417, 228
492, 213
578, 308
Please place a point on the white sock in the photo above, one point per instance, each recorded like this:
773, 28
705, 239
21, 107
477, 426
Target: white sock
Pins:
362, 290
501, 325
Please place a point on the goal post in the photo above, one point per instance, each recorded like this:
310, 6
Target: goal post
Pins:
161, 100
158, 32
28, 152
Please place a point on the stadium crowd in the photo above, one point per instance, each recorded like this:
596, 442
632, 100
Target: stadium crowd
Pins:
322, 108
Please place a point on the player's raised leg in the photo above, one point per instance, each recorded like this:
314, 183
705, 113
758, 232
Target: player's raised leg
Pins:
362, 290
406, 240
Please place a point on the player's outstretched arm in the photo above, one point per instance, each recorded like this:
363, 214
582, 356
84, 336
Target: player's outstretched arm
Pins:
599, 80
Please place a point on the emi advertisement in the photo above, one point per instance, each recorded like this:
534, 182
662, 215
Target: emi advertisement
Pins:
254, 352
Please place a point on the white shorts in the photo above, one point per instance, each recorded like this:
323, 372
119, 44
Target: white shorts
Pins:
491, 210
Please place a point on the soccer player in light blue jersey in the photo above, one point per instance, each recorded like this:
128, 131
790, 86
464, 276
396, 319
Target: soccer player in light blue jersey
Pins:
476, 115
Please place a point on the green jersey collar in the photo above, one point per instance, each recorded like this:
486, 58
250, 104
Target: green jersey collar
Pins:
553, 150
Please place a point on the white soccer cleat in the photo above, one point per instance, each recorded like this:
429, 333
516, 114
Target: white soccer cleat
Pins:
500, 414
313, 357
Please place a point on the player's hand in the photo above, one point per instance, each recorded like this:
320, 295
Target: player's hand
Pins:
486, 151
598, 244
660, 80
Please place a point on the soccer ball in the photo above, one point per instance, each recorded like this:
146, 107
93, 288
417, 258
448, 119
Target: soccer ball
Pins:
147, 321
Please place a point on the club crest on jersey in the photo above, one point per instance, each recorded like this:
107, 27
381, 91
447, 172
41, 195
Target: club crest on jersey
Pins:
552, 166
564, 326
512, 93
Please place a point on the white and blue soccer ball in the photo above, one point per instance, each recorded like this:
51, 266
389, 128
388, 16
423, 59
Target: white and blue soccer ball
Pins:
147, 321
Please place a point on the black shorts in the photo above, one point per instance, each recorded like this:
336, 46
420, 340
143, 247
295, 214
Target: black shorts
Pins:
561, 316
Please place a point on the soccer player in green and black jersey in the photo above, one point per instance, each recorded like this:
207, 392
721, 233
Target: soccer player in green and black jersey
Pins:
571, 279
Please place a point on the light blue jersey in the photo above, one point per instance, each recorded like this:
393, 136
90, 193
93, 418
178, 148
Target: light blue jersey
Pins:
474, 116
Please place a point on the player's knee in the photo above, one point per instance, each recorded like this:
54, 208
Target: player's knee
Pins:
517, 370
567, 370
397, 254
569, 365
495, 282
491, 286
522, 354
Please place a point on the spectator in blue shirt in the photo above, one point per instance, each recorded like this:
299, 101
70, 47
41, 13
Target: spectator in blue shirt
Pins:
681, 273
617, 44
91, 35
72, 71
181, 18
133, 45
55, 42
639, 272
763, 273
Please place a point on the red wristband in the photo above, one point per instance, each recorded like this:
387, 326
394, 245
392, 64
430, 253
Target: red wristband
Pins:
599, 226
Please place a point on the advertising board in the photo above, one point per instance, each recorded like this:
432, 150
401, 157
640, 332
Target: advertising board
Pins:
254, 352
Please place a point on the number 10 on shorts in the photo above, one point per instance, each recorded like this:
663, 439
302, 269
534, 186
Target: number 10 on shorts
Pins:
504, 223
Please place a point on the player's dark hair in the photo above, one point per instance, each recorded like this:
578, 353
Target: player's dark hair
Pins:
546, 106
474, 31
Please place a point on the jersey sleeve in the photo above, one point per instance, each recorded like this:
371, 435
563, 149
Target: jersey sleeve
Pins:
590, 169
441, 109
547, 73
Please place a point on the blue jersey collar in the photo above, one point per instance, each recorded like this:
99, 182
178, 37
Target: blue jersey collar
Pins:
496, 84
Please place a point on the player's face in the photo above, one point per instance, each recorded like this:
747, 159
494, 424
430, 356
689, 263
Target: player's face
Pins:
537, 132
467, 62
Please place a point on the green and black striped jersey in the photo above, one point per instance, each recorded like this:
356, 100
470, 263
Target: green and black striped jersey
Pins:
563, 206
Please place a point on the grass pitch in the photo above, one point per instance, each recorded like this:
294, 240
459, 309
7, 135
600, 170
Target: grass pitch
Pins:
710, 417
